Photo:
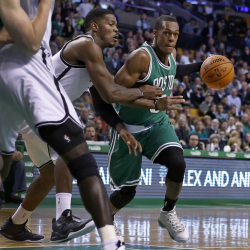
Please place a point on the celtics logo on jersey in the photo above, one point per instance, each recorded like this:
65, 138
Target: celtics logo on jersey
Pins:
164, 82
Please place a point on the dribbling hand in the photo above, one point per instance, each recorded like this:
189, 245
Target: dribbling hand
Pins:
130, 140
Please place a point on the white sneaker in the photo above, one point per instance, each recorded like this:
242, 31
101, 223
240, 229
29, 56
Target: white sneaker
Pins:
118, 233
170, 221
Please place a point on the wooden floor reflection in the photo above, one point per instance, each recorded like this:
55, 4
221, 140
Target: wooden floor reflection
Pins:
209, 228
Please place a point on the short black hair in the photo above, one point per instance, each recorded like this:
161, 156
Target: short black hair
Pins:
159, 20
94, 16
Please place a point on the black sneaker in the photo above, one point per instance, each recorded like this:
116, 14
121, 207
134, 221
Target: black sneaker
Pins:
66, 228
19, 233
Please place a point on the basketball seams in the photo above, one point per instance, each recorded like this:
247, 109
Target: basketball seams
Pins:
215, 67
223, 76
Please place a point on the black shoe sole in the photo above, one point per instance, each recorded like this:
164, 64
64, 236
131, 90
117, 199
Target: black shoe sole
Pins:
89, 227
9, 237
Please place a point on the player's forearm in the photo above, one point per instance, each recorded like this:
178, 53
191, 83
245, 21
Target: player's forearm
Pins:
139, 103
26, 34
187, 69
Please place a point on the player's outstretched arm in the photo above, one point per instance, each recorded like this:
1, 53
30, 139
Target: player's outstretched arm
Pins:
104, 81
137, 67
26, 34
109, 115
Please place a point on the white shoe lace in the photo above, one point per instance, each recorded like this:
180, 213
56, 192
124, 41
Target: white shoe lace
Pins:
175, 222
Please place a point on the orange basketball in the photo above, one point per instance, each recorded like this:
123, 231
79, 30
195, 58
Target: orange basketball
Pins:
217, 71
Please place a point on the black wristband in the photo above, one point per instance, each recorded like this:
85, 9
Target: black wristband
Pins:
156, 107
142, 93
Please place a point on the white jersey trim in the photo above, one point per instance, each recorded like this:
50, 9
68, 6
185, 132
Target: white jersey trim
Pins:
149, 69
61, 52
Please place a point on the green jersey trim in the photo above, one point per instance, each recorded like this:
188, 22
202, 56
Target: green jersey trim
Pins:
149, 69
158, 60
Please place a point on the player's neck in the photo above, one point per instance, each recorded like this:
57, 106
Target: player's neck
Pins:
97, 40
163, 57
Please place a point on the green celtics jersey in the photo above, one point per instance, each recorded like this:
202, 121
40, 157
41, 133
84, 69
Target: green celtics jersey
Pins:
159, 75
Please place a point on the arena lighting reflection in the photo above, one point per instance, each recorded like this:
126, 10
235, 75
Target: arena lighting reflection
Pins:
214, 231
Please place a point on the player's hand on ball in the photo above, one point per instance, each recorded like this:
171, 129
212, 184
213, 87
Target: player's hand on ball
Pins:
151, 92
130, 140
168, 102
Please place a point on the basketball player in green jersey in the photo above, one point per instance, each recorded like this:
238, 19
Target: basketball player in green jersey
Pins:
153, 65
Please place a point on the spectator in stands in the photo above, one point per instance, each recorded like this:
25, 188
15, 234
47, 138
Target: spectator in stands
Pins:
181, 91
188, 28
84, 117
235, 144
199, 8
185, 80
16, 180
231, 124
247, 38
68, 30
217, 97
203, 49
194, 120
129, 8
199, 130
113, 65
138, 38
58, 25
214, 142
232, 111
186, 112
67, 7
239, 128
89, 132
182, 130
85, 8
209, 10
244, 93
246, 143
245, 119
172, 114
143, 23
204, 106
57, 11
210, 44
197, 56
221, 49
185, 57
234, 99
99, 131
246, 55
209, 30
220, 115
220, 34
197, 31
86, 97
207, 121
189, 89
224, 104
197, 97
214, 128
211, 111
108, 54
223, 127
79, 23
194, 143
245, 68
124, 58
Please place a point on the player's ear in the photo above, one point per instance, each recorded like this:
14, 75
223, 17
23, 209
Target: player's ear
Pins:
155, 33
94, 26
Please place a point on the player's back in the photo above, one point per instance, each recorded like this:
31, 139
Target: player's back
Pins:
158, 75
74, 78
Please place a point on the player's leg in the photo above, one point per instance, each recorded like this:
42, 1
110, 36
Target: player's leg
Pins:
64, 227
168, 152
125, 171
67, 140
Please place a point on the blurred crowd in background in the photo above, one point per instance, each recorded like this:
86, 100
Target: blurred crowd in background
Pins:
211, 119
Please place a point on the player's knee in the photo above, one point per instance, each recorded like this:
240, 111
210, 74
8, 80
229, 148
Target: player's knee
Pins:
121, 198
173, 159
83, 167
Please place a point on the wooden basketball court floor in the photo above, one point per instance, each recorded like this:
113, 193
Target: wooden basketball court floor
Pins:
210, 227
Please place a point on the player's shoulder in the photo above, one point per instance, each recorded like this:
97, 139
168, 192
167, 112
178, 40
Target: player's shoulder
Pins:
140, 55
174, 53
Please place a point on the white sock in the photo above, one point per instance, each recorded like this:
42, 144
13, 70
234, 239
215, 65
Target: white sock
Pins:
63, 202
107, 233
21, 215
